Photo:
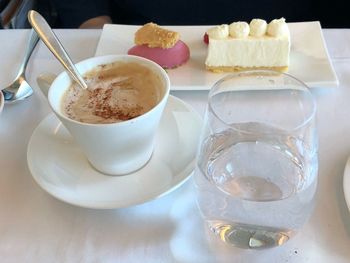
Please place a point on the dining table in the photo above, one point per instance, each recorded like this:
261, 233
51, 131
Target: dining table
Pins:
37, 227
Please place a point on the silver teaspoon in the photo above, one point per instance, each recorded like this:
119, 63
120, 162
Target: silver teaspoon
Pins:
19, 89
51, 41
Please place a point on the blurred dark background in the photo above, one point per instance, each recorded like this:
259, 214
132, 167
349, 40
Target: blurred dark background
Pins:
13, 13
69, 14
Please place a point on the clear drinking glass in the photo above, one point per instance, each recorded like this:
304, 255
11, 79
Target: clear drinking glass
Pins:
256, 173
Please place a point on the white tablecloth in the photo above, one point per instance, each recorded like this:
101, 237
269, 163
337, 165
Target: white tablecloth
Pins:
35, 227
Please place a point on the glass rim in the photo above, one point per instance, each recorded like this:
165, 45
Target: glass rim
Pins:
232, 75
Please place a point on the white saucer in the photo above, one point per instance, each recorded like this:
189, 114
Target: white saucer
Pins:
346, 183
61, 169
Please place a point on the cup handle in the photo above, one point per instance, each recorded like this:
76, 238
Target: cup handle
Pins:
44, 81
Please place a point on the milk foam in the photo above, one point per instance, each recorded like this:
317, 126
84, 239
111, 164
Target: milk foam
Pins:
116, 92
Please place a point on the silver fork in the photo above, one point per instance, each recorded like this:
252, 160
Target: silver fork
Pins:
19, 89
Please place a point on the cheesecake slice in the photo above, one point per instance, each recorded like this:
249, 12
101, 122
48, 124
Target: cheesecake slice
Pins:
242, 46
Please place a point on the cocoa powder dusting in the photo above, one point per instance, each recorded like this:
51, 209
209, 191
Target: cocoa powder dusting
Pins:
106, 110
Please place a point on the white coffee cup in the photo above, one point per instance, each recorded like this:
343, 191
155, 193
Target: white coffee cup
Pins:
116, 148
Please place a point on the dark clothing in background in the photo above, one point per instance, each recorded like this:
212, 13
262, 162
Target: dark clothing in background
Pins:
195, 12
17, 17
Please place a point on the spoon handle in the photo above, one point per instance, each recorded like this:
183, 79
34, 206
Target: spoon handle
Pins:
51, 41
33, 40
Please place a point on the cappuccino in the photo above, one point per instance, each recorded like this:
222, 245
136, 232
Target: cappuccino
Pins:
116, 92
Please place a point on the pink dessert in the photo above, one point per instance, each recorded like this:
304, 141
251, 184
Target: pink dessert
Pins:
160, 45
165, 57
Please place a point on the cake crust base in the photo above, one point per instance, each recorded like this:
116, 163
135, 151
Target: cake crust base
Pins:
222, 69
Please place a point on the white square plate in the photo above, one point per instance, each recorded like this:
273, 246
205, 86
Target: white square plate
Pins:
309, 59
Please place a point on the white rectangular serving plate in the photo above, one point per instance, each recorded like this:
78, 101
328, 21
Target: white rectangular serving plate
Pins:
309, 58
